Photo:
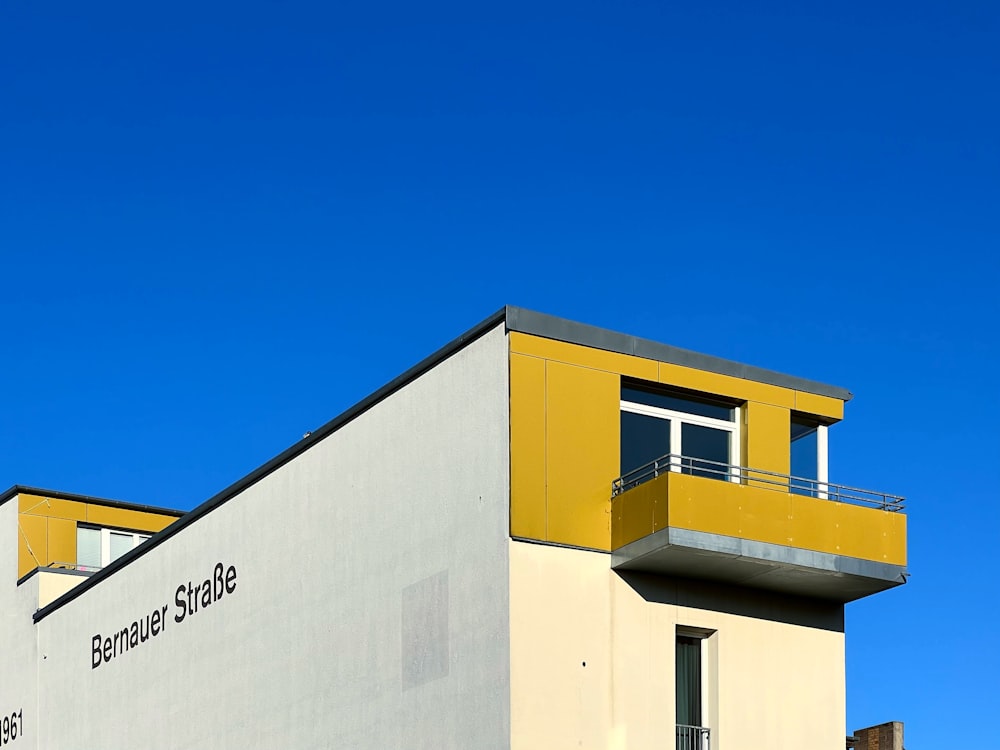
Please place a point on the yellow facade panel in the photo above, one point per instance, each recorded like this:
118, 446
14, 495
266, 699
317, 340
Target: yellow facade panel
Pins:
32, 543
815, 524
62, 541
583, 356
527, 447
867, 530
768, 444
823, 406
724, 385
764, 515
582, 426
701, 505
51, 506
125, 518
636, 509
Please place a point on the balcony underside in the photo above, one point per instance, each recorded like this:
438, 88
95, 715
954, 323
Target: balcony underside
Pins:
789, 570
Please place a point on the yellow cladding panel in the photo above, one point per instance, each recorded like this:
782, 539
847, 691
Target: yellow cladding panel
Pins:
582, 446
634, 512
725, 385
768, 437
763, 515
32, 543
62, 541
527, 447
53, 507
690, 507
859, 534
124, 518
584, 356
823, 406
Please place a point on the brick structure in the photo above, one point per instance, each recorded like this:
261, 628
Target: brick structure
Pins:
888, 736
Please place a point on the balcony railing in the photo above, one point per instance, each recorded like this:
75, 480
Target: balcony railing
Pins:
693, 738
771, 480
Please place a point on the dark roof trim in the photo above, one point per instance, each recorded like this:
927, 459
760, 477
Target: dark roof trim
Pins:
20, 489
280, 460
514, 319
560, 329
60, 571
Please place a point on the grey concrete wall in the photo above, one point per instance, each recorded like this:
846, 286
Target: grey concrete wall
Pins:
369, 607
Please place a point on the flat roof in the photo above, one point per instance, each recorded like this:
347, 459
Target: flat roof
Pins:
513, 319
20, 489
550, 327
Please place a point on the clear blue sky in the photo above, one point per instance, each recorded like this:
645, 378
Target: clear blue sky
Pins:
222, 224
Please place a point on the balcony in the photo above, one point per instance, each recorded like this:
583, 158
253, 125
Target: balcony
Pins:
693, 738
689, 517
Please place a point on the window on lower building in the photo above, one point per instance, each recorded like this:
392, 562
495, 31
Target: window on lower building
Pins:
700, 434
98, 547
690, 693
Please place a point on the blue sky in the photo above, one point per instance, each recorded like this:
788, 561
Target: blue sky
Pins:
220, 226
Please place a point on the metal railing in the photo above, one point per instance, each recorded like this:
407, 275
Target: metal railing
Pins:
693, 738
771, 480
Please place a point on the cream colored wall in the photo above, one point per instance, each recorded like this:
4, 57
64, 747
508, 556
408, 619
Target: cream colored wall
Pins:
53, 585
776, 685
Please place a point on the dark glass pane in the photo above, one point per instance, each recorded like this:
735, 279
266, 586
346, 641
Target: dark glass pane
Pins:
805, 460
706, 443
701, 407
643, 440
688, 682
801, 429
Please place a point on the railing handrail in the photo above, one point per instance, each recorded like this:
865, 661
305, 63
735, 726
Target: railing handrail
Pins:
764, 478
690, 737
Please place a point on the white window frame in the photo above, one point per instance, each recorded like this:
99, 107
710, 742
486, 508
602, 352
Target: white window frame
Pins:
677, 418
138, 538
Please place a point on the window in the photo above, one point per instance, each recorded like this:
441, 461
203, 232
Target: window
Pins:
808, 457
700, 434
690, 693
98, 547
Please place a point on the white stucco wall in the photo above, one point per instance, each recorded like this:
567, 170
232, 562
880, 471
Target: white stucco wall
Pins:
592, 660
370, 605
18, 676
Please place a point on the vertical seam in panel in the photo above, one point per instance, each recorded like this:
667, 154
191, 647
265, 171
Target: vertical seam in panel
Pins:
545, 443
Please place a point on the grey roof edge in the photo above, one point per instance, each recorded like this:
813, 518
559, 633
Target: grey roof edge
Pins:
20, 489
220, 498
560, 329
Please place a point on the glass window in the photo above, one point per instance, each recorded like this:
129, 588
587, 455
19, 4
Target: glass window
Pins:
88, 548
808, 457
699, 435
688, 681
708, 449
686, 404
644, 439
120, 544
97, 547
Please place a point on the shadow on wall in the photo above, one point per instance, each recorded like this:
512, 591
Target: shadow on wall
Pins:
736, 600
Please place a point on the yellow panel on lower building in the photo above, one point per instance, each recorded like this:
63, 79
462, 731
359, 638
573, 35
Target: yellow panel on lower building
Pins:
62, 541
125, 518
51, 506
32, 543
